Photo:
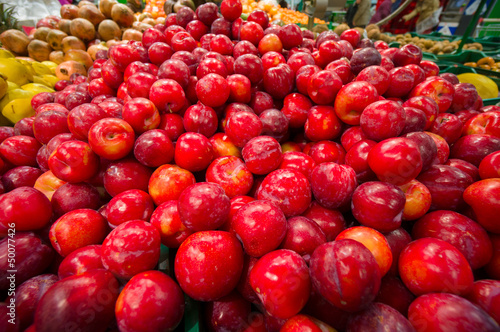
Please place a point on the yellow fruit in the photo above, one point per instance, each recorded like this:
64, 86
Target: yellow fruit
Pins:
18, 109
51, 79
485, 86
37, 88
51, 65
12, 86
41, 69
15, 94
15, 71
29, 66
41, 86
5, 53
40, 80
3, 86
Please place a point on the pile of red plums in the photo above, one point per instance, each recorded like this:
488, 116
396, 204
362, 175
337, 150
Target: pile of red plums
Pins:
301, 184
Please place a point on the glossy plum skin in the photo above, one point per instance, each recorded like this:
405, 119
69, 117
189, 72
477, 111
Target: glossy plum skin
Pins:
230, 313
32, 257
303, 236
168, 181
155, 297
473, 148
261, 227
298, 161
446, 185
486, 295
126, 174
81, 260
382, 119
72, 196
430, 265
418, 200
374, 241
303, 322
333, 184
167, 221
26, 207
27, 296
489, 166
357, 158
79, 292
379, 316
154, 148
231, 173
241, 127
326, 151
483, 197
352, 99
322, 124
111, 138
21, 176
447, 312
262, 155
346, 274
427, 147
438, 89
330, 221
74, 161
203, 206
77, 229
378, 205
131, 204
120, 248
395, 294
396, 160
282, 282
463, 233
200, 256
193, 152
289, 189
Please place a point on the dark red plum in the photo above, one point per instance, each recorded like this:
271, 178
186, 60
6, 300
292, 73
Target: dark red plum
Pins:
203, 206
440, 310
346, 274
80, 293
81, 260
27, 296
377, 317
261, 226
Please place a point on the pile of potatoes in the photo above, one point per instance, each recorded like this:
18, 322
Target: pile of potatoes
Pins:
79, 32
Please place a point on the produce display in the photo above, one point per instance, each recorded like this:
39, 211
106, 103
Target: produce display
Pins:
486, 63
159, 8
425, 44
485, 86
299, 182
20, 80
155, 8
276, 13
436, 47
58, 48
